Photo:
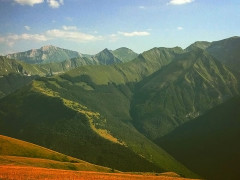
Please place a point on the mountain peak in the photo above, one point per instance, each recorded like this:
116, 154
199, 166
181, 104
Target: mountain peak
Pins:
45, 54
48, 47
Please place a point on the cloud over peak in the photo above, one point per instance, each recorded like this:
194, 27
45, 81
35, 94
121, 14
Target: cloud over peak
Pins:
180, 2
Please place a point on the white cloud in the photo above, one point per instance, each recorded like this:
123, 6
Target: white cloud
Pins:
11, 39
55, 3
179, 28
180, 2
69, 33
72, 35
135, 33
67, 28
29, 2
141, 7
27, 28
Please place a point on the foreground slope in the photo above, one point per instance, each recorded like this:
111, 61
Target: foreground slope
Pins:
21, 173
209, 144
35, 114
21, 153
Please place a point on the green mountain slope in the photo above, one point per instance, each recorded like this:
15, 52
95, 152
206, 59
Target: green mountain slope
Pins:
36, 114
199, 44
227, 51
209, 144
45, 54
105, 57
17, 152
193, 83
15, 74
124, 54
8, 66
70, 128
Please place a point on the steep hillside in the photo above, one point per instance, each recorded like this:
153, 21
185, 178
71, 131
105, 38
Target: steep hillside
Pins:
61, 67
199, 44
105, 57
227, 51
193, 83
38, 115
131, 72
124, 54
21, 153
8, 66
45, 54
15, 74
209, 144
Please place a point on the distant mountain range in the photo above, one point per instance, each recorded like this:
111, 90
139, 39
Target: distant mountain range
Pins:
45, 54
141, 115
49, 60
52, 54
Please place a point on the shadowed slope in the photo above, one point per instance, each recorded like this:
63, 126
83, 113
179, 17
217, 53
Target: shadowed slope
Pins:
209, 144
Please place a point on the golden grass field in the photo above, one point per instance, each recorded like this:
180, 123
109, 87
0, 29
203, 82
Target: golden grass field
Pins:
20, 160
12, 172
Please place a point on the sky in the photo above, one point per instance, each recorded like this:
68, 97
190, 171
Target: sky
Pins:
89, 26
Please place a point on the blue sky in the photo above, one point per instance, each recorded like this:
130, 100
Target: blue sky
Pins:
89, 26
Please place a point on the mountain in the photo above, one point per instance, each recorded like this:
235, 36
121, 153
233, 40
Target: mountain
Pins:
15, 74
227, 51
209, 144
191, 84
8, 66
124, 54
45, 54
21, 153
105, 57
199, 44
52, 54
76, 114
